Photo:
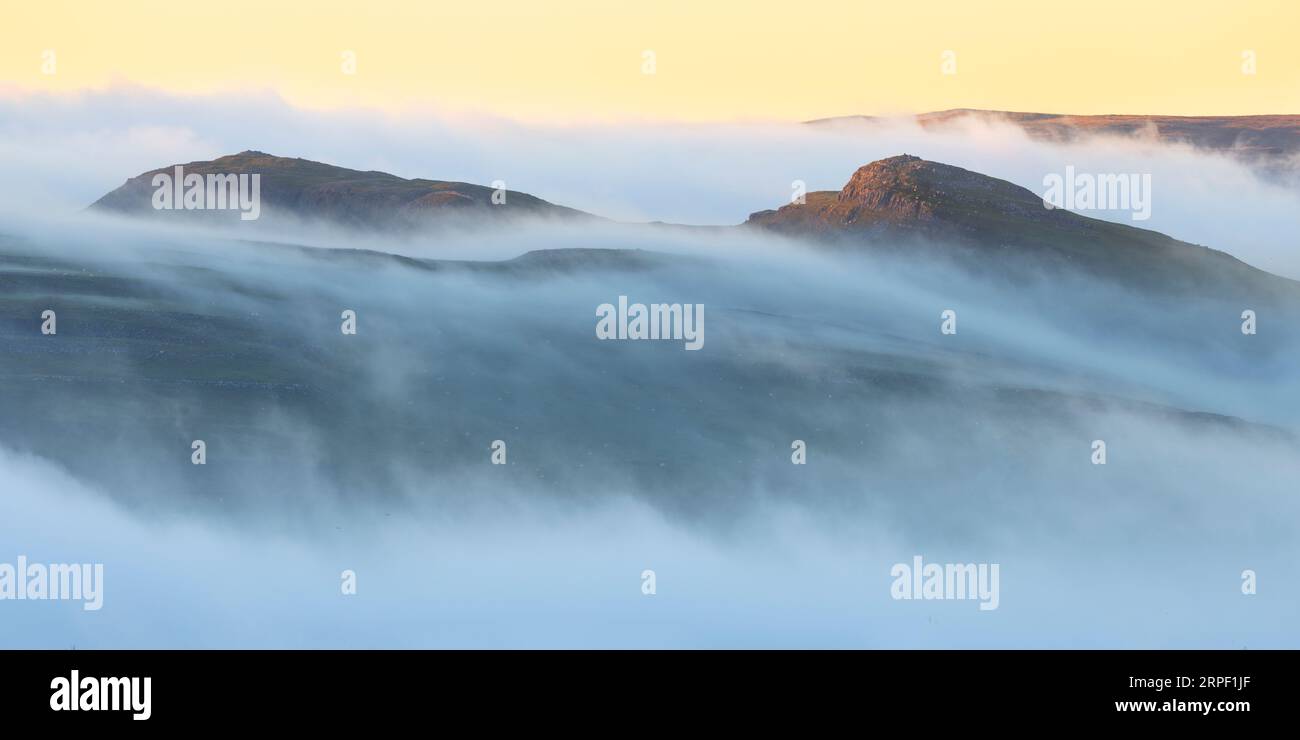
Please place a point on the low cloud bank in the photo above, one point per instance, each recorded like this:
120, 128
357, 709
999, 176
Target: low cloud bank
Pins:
371, 452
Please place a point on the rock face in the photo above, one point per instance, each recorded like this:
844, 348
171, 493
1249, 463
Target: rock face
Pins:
908, 203
310, 190
908, 195
890, 185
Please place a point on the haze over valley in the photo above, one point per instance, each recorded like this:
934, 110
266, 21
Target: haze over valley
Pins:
825, 322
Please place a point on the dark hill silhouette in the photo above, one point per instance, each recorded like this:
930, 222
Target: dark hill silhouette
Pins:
315, 190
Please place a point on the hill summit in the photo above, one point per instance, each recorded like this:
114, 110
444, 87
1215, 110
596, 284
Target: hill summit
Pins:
907, 203
314, 190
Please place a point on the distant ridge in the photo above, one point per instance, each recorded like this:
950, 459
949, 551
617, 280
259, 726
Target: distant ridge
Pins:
1270, 142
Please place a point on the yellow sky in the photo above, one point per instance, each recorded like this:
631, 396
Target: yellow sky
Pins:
570, 59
